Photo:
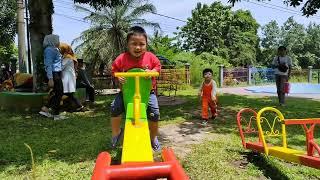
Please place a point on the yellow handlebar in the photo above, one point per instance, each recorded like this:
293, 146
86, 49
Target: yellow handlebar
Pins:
136, 74
137, 96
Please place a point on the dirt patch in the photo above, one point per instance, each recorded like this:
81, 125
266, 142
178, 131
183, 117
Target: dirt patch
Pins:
170, 101
180, 137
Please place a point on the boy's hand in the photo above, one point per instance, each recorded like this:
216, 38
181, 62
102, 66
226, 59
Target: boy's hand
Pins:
213, 98
148, 70
122, 80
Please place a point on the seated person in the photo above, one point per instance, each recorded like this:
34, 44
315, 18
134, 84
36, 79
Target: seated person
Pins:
6, 73
23, 81
83, 81
7, 85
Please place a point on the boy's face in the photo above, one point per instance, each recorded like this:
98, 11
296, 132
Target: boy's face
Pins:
137, 45
207, 76
282, 52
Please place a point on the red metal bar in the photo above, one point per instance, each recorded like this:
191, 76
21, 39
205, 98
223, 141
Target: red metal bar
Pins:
103, 162
139, 171
177, 172
240, 126
302, 121
310, 161
316, 147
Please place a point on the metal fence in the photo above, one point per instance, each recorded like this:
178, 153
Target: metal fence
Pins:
260, 75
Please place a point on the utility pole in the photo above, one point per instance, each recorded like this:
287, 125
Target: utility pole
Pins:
28, 37
21, 36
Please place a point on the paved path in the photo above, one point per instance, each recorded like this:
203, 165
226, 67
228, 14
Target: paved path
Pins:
243, 91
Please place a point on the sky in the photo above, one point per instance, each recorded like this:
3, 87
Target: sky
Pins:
68, 23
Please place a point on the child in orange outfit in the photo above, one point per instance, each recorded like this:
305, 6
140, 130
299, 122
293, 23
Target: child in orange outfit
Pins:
208, 94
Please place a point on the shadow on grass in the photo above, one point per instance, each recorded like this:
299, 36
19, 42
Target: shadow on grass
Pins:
79, 138
268, 169
83, 136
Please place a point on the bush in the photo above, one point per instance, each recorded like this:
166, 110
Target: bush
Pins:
198, 63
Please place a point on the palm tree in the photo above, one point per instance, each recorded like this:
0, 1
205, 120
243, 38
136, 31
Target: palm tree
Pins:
106, 38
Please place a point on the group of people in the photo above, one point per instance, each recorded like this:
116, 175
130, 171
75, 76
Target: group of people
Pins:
60, 63
61, 69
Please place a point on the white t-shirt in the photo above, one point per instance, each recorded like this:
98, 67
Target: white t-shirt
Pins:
283, 60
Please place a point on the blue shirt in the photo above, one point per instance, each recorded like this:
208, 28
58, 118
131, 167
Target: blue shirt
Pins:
52, 60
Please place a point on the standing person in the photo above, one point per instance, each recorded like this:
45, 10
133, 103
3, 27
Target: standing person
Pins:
69, 74
136, 57
53, 67
83, 81
282, 69
208, 94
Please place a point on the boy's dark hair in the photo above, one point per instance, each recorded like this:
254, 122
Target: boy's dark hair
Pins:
80, 60
207, 70
136, 30
282, 48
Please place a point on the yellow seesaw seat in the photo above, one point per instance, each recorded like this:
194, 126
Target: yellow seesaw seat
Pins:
136, 138
287, 154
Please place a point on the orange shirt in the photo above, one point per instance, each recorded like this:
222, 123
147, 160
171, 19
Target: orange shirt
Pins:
208, 90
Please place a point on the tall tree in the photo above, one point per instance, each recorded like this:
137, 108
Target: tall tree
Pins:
312, 45
106, 38
270, 41
293, 37
162, 45
216, 29
270, 35
243, 39
310, 7
7, 29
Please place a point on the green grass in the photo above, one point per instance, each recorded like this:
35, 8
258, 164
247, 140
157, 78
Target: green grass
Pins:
68, 149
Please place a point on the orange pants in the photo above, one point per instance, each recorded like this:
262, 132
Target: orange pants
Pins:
206, 104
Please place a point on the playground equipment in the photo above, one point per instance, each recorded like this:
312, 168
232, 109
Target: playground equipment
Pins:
137, 157
277, 128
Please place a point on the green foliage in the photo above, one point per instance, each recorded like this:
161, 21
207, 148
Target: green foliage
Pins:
100, 3
218, 30
8, 53
198, 63
162, 45
7, 30
106, 38
309, 8
302, 42
8, 10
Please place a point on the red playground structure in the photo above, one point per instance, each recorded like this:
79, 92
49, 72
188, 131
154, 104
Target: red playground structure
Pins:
264, 129
169, 168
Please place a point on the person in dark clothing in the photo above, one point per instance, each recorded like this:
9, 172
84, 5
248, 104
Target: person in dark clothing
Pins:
53, 67
83, 81
6, 72
282, 65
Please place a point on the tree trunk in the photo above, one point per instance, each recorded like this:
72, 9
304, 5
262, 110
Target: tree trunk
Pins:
21, 37
40, 25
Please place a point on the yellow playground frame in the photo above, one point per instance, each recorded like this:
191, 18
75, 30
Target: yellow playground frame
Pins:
310, 157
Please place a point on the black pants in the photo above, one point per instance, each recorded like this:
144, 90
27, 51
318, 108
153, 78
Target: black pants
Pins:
280, 81
89, 91
73, 99
54, 102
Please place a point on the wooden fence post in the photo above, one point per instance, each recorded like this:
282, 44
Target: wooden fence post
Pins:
221, 76
187, 71
309, 74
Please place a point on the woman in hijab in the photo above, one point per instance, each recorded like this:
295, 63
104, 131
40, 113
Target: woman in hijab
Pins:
69, 62
53, 67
